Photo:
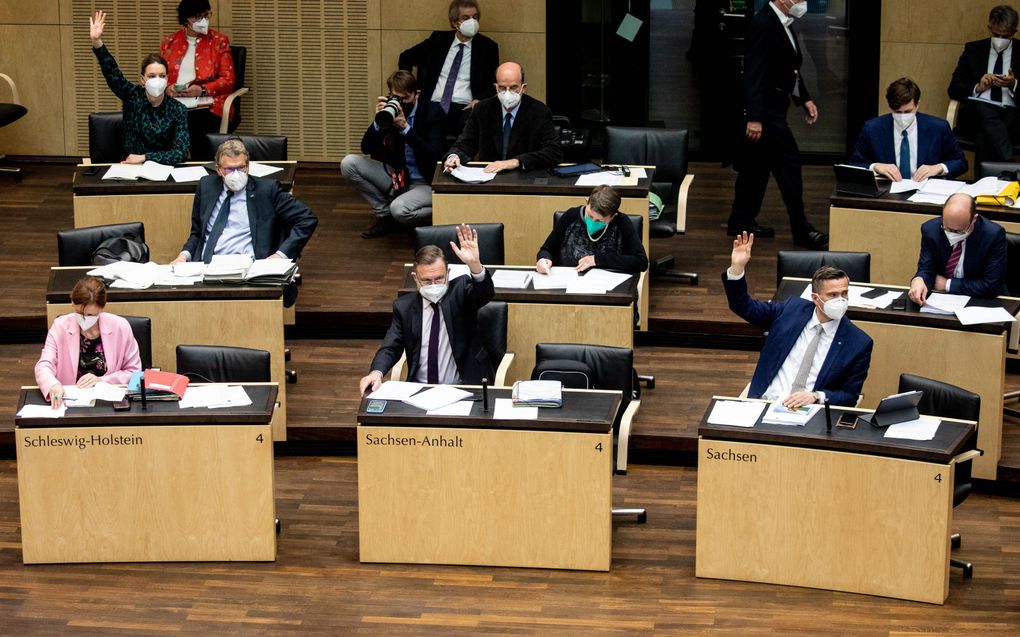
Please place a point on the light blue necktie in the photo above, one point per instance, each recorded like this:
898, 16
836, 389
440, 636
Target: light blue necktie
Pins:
905, 157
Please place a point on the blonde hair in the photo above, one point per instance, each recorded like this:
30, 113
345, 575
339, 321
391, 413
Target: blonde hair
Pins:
231, 148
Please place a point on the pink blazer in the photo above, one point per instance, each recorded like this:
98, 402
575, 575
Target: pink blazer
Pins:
59, 360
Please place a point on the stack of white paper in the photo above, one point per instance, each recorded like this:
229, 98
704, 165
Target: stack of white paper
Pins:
228, 267
216, 396
735, 413
990, 186
396, 390
923, 428
256, 169
150, 170
511, 279
938, 303
42, 411
779, 415
472, 175
936, 191
126, 274
558, 278
976, 315
269, 267
437, 397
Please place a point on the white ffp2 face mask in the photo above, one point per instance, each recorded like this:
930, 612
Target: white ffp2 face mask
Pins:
1000, 44
155, 86
954, 237
86, 322
509, 99
200, 26
468, 28
904, 120
835, 308
798, 10
434, 292
236, 181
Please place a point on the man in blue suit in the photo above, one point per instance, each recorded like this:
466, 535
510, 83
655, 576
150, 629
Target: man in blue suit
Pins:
906, 144
811, 354
961, 253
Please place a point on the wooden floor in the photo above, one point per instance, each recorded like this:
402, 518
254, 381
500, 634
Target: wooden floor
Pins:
317, 585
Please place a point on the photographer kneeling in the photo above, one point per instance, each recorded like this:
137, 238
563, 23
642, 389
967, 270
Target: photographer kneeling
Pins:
404, 144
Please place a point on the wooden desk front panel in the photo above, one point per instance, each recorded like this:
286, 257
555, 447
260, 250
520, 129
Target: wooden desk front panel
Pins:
969, 360
167, 218
174, 494
531, 323
500, 498
527, 221
824, 519
892, 238
256, 324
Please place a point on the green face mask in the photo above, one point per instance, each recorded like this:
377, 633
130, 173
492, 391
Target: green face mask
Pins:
593, 226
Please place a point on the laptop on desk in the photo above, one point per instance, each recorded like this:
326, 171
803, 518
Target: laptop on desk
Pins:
852, 180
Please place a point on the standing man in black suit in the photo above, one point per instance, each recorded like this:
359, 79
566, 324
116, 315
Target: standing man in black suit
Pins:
438, 327
237, 214
985, 86
511, 131
771, 79
455, 67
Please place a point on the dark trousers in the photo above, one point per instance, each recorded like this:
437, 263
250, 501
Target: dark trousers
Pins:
455, 120
776, 153
995, 130
201, 121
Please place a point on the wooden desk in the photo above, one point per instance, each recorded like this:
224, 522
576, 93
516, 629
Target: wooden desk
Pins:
889, 228
848, 510
164, 207
203, 314
164, 485
938, 347
553, 316
476, 491
524, 203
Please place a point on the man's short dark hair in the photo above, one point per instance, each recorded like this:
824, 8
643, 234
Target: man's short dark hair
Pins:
154, 58
1003, 17
402, 81
189, 8
427, 255
825, 273
604, 200
457, 5
901, 92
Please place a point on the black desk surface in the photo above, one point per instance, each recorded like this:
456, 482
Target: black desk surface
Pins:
623, 294
62, 281
535, 182
899, 203
911, 315
260, 411
582, 411
950, 439
85, 185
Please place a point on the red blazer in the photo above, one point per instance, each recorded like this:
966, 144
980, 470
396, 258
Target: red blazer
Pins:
59, 360
214, 65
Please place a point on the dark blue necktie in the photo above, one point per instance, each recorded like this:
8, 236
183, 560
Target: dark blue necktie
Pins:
433, 355
996, 95
218, 225
905, 156
507, 121
451, 79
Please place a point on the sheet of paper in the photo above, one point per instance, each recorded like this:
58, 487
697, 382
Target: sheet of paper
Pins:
923, 428
189, 269
987, 186
456, 270
904, 185
638, 171
216, 396
505, 410
195, 102
472, 175
938, 303
605, 278
135, 276
188, 173
606, 178
436, 397
256, 169
921, 197
127, 172
976, 315
735, 413
584, 285
941, 186
42, 411
396, 390
557, 279
461, 408
155, 172
880, 302
511, 279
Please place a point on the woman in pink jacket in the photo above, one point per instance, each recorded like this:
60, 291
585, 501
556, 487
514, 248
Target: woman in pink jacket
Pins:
86, 346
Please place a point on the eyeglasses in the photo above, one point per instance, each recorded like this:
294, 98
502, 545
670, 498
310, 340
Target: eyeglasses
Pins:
235, 169
437, 281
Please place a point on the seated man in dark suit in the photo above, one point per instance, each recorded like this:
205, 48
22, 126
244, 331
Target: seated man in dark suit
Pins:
961, 253
511, 131
237, 214
812, 353
907, 144
395, 178
438, 327
984, 84
455, 68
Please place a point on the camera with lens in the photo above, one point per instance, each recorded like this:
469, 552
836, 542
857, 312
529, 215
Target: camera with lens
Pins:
389, 112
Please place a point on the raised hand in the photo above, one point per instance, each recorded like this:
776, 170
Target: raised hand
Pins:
467, 251
96, 26
741, 253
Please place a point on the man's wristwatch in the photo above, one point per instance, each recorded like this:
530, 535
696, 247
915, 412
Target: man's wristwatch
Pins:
819, 396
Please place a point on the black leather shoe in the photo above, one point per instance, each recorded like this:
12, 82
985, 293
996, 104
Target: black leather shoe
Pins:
381, 227
763, 232
813, 240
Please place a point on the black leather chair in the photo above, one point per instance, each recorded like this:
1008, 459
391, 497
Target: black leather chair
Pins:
597, 367
10, 112
948, 401
106, 138
141, 327
492, 328
75, 247
260, 147
803, 263
997, 168
221, 364
490, 241
637, 220
666, 149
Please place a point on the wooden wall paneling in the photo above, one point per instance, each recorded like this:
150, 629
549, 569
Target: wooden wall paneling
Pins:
69, 112
36, 71
20, 12
935, 20
528, 50
929, 64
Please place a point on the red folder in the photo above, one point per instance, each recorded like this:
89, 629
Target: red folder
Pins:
165, 381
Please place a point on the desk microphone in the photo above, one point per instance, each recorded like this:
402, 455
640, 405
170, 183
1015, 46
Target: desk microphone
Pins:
485, 395
828, 417
145, 407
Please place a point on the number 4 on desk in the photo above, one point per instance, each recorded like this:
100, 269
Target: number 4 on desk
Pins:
938, 477
598, 447
259, 438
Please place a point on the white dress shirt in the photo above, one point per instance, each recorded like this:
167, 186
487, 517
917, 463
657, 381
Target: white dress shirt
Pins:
186, 74
786, 21
462, 85
448, 372
1007, 61
781, 385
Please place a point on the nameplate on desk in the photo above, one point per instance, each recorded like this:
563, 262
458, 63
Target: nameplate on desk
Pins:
389, 440
729, 455
82, 442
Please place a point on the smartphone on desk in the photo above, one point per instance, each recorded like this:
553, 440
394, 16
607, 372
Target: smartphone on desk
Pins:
874, 294
376, 407
847, 420
92, 171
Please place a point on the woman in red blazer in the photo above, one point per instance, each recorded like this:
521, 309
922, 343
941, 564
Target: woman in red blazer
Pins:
86, 346
200, 58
